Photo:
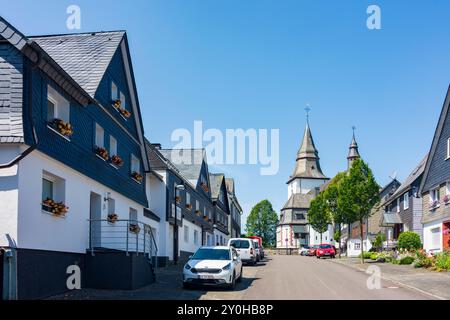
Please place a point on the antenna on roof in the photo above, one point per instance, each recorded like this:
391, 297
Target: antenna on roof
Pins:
393, 175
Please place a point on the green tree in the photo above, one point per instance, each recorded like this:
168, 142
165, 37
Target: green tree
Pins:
379, 239
318, 216
262, 222
359, 193
331, 199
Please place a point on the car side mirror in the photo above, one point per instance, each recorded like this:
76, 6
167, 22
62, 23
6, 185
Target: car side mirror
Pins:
235, 258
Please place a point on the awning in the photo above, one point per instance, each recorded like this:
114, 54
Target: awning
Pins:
300, 229
390, 219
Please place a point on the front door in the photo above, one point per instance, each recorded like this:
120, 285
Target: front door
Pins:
446, 236
95, 222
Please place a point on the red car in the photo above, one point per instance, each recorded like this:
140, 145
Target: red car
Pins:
312, 250
325, 250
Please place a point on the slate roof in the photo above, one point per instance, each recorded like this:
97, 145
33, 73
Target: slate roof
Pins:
187, 161
307, 165
299, 201
229, 184
215, 180
413, 176
84, 56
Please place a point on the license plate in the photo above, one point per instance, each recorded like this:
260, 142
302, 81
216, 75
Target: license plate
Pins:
206, 277
327, 253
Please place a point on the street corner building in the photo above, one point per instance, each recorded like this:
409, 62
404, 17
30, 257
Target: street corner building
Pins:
79, 182
293, 230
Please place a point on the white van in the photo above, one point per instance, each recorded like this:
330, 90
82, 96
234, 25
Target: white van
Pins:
246, 249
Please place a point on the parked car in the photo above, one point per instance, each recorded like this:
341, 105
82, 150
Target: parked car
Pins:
257, 250
325, 250
245, 248
303, 251
312, 250
218, 265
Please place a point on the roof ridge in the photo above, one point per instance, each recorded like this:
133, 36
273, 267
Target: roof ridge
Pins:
75, 34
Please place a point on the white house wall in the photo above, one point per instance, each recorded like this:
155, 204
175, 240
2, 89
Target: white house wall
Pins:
427, 235
9, 196
189, 246
39, 230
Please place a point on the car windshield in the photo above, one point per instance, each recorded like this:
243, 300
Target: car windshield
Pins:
325, 246
240, 244
212, 254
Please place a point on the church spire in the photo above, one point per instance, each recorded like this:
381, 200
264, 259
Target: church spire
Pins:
307, 161
353, 152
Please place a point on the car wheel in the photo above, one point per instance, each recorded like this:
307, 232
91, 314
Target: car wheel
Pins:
233, 282
240, 276
317, 257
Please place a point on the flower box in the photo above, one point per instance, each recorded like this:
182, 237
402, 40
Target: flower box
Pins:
63, 128
117, 104
204, 187
137, 176
446, 199
177, 199
116, 160
205, 218
189, 206
112, 217
134, 228
55, 208
198, 213
434, 204
102, 153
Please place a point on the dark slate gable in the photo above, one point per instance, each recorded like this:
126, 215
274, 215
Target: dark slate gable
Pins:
11, 94
85, 56
437, 169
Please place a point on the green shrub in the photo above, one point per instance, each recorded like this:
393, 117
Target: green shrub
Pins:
406, 260
367, 255
373, 256
423, 260
409, 240
378, 243
443, 261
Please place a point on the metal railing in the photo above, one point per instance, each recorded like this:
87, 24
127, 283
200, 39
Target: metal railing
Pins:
123, 235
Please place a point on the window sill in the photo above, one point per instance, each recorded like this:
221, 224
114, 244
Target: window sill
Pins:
56, 131
63, 216
114, 166
98, 156
117, 110
139, 182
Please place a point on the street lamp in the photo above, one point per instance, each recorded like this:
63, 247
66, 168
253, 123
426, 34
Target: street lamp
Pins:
178, 187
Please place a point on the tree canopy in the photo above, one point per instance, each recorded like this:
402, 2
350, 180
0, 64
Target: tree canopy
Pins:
318, 215
262, 222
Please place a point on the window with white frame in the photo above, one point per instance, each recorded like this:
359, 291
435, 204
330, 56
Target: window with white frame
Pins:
436, 238
188, 198
57, 106
448, 148
133, 215
53, 188
398, 205
406, 201
99, 136
47, 189
434, 196
112, 146
135, 164
114, 91
123, 101
447, 188
186, 234
195, 237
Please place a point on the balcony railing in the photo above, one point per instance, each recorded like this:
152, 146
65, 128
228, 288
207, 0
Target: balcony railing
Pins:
123, 235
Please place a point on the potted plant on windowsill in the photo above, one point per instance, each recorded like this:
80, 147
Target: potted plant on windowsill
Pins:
189, 206
116, 160
134, 228
137, 176
434, 204
125, 113
102, 153
204, 187
55, 208
64, 128
112, 217
446, 199
178, 199
198, 213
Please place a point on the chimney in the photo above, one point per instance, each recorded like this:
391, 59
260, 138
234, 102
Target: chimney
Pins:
157, 145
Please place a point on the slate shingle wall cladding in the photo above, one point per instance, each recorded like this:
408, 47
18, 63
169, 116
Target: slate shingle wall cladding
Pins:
442, 211
115, 72
79, 152
11, 94
439, 170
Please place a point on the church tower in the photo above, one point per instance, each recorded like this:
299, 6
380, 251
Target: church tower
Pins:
293, 230
353, 152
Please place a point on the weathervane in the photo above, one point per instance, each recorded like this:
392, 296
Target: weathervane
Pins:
307, 109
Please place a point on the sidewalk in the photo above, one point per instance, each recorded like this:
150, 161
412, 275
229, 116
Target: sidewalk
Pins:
434, 283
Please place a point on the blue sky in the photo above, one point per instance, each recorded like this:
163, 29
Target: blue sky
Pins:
255, 64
